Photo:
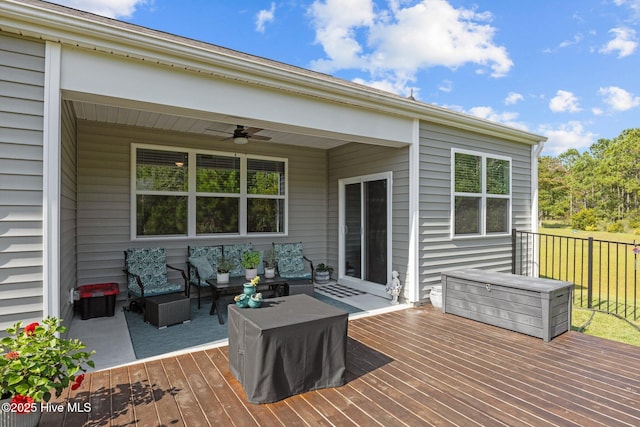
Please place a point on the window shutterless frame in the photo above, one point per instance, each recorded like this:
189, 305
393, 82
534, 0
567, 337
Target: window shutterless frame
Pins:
484, 203
266, 192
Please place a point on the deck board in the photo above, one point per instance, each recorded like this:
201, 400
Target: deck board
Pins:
411, 367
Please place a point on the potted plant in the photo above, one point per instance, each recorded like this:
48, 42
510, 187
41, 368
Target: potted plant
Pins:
250, 288
255, 300
34, 361
224, 265
250, 261
270, 264
322, 273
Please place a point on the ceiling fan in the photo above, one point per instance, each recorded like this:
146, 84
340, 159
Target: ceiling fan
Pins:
241, 135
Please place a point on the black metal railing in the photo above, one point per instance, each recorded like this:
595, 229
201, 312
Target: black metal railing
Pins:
605, 273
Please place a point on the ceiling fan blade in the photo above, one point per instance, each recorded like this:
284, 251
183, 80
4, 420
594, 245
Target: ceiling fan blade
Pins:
252, 134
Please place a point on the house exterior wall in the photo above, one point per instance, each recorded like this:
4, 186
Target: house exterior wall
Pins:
103, 214
353, 160
21, 152
437, 250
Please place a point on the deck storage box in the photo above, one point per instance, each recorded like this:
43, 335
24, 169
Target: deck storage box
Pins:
96, 300
530, 305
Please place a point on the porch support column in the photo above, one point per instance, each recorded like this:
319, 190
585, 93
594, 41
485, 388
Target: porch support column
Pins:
51, 182
412, 281
535, 153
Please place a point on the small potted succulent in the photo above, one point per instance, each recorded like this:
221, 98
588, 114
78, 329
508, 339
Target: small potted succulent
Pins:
242, 300
224, 265
255, 300
269, 264
250, 261
250, 288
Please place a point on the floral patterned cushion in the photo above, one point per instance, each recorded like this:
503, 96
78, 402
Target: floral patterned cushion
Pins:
211, 254
151, 265
290, 262
234, 252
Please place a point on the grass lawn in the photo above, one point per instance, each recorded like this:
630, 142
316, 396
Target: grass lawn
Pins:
613, 287
604, 325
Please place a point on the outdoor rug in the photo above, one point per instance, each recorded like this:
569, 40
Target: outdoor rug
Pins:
203, 329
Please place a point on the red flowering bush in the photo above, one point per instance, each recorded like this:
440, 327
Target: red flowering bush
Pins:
34, 361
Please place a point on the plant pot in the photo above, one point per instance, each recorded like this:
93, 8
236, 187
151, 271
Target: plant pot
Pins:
14, 419
249, 289
222, 277
243, 303
436, 296
269, 273
250, 273
322, 277
255, 303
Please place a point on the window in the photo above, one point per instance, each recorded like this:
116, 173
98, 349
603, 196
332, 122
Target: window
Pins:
195, 193
481, 194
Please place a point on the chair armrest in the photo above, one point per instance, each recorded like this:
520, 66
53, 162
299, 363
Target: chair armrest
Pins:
184, 277
137, 277
310, 263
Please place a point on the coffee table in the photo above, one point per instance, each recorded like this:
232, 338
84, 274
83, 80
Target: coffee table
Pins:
288, 346
275, 287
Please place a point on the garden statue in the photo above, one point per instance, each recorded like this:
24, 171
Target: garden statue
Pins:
393, 288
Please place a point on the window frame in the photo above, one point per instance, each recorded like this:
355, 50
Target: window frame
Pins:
483, 195
192, 194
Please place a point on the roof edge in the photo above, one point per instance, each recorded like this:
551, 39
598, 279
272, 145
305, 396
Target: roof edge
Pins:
65, 25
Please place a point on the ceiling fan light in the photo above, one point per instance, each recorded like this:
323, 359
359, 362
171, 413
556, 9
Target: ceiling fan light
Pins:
240, 140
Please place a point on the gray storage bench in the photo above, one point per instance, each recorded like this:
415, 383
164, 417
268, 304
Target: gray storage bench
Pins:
532, 306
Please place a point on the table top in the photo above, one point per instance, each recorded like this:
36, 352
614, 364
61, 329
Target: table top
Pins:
280, 312
237, 282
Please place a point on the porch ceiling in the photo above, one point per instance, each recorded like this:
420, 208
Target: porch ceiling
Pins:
219, 129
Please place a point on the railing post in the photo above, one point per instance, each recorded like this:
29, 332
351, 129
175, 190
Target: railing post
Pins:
590, 273
513, 251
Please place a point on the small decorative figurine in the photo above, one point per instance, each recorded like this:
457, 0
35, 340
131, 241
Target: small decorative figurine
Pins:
393, 288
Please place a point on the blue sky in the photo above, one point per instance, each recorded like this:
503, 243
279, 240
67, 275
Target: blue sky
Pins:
566, 69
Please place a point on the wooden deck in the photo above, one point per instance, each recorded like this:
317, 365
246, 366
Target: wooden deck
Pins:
411, 367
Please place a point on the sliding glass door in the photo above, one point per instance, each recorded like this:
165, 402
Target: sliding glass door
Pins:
365, 231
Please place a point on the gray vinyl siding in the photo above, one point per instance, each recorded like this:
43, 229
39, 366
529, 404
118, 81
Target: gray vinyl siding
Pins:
103, 198
353, 160
21, 125
438, 251
68, 205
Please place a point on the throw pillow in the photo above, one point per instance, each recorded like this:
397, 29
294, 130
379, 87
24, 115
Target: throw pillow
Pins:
201, 263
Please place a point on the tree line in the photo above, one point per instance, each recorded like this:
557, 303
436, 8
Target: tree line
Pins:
598, 189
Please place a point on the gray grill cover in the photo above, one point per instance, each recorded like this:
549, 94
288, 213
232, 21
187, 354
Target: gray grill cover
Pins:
288, 346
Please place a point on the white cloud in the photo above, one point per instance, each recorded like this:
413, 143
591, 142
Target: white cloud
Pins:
507, 118
399, 41
563, 102
265, 16
568, 135
445, 86
624, 42
513, 98
618, 98
634, 5
108, 8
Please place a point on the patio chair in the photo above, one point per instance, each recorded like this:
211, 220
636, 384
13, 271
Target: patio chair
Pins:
146, 270
290, 261
202, 265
